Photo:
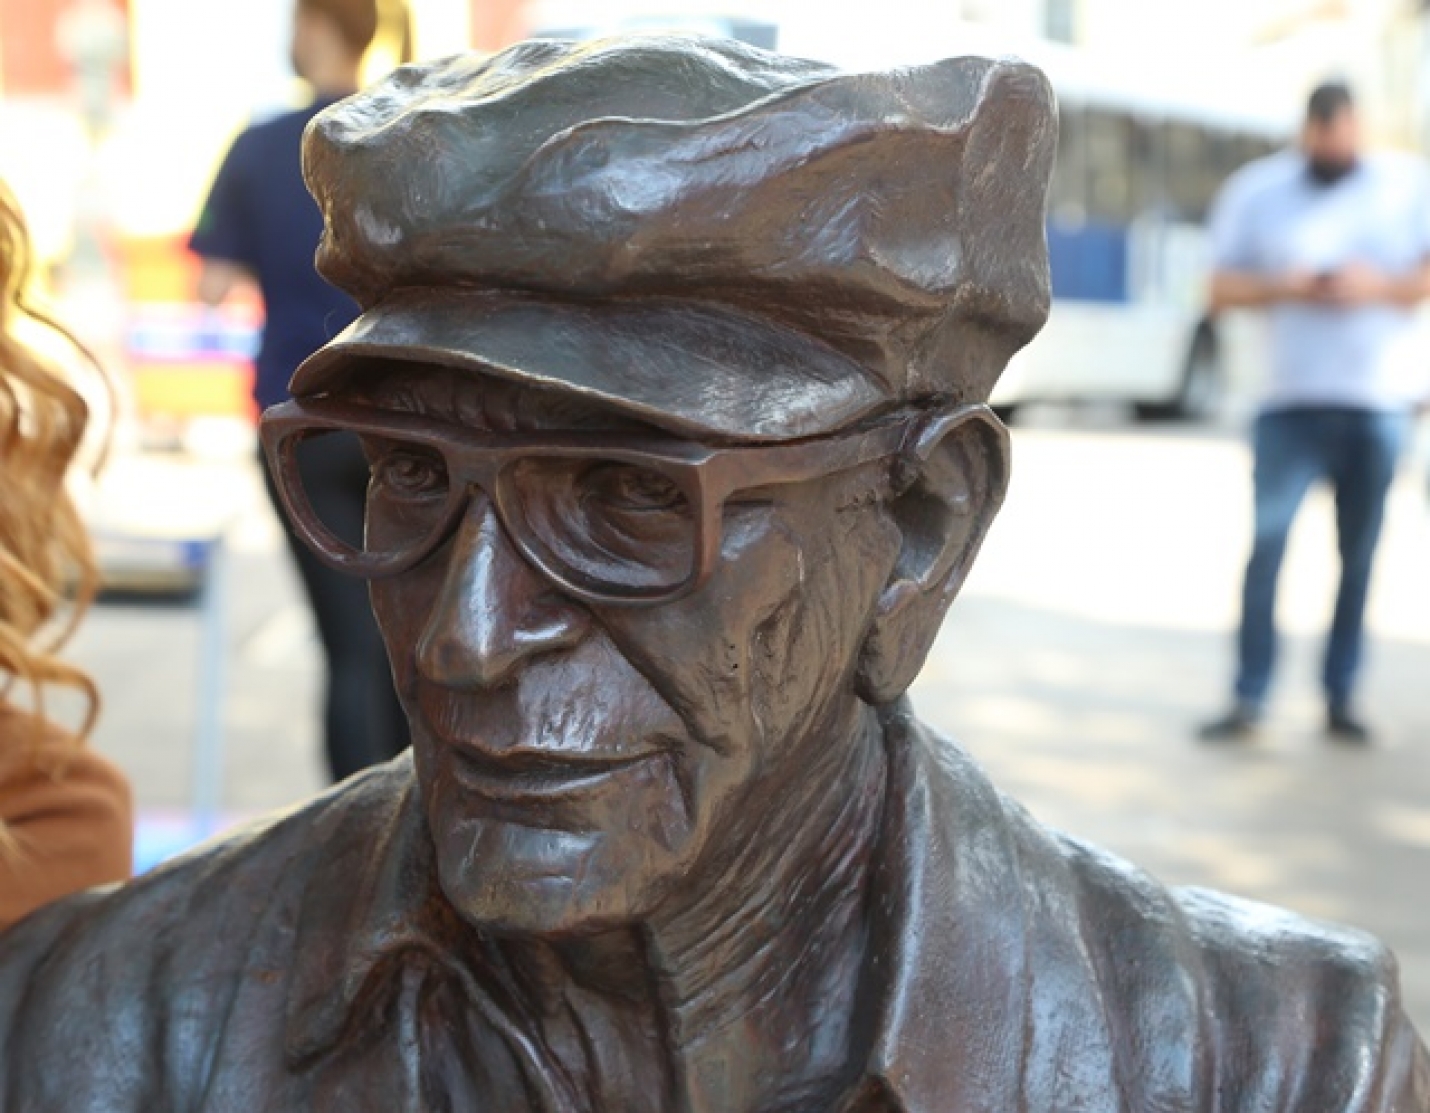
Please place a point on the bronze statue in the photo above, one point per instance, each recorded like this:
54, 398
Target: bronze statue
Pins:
671, 376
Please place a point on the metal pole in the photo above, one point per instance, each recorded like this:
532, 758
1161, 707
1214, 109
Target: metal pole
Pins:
208, 737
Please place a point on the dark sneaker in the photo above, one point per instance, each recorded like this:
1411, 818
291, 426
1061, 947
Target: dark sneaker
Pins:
1345, 728
1240, 724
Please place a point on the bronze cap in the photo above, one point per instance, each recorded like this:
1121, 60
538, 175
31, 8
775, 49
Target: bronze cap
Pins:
728, 240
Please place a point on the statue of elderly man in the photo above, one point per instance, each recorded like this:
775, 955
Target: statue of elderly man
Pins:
671, 377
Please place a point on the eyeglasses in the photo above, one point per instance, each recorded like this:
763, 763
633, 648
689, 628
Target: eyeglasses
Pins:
625, 520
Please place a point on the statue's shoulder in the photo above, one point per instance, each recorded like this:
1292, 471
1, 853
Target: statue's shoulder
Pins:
1282, 989
155, 960
210, 878
1173, 998
230, 880
1285, 1012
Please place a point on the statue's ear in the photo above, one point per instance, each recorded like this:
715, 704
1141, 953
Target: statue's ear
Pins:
955, 477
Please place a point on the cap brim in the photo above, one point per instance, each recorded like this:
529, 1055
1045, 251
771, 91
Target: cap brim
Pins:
691, 368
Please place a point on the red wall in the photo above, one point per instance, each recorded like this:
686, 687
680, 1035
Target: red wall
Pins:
498, 23
31, 61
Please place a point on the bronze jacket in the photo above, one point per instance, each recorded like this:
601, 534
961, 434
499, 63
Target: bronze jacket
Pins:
308, 964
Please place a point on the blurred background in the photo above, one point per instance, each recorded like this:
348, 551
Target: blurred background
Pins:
1096, 631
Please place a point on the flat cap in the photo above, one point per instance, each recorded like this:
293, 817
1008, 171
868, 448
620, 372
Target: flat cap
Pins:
730, 242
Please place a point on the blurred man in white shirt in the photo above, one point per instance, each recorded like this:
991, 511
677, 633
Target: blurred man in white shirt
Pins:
1334, 245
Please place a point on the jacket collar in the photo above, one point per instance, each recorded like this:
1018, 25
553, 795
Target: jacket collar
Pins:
950, 929
948, 900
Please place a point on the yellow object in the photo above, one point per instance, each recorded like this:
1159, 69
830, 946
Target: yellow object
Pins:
392, 45
192, 389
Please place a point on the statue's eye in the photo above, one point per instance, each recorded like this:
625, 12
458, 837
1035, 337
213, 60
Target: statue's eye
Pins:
626, 488
410, 473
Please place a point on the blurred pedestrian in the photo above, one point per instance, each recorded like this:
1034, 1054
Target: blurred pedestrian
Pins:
1333, 244
260, 223
65, 813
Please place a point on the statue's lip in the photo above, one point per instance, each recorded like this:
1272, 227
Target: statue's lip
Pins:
519, 775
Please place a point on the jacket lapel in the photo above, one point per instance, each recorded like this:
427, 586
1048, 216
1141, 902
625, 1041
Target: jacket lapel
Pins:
993, 1003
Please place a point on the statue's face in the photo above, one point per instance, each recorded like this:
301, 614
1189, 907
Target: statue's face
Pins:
581, 763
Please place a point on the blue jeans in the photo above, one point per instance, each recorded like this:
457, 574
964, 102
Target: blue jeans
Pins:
1356, 451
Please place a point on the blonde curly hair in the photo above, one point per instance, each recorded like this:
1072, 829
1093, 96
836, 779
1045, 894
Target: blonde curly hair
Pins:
47, 570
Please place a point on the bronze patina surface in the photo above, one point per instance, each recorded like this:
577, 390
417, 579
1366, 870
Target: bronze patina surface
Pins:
671, 374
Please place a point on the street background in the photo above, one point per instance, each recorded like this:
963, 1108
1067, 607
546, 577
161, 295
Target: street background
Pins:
1096, 630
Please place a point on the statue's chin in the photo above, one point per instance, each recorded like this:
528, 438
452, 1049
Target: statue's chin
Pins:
511, 879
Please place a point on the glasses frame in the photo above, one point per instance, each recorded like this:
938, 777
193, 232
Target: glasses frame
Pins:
707, 476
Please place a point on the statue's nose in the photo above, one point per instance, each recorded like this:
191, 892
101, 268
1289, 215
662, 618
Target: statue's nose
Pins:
494, 611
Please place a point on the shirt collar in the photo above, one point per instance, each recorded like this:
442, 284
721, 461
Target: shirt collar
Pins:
950, 929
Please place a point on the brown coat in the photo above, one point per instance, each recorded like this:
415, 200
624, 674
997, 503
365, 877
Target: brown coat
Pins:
69, 813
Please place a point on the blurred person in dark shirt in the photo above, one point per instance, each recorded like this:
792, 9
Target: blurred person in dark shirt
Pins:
260, 224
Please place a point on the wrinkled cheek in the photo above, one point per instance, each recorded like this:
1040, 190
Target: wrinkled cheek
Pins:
803, 649
703, 653
700, 655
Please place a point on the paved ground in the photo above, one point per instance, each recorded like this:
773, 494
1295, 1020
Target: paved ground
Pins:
1091, 639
